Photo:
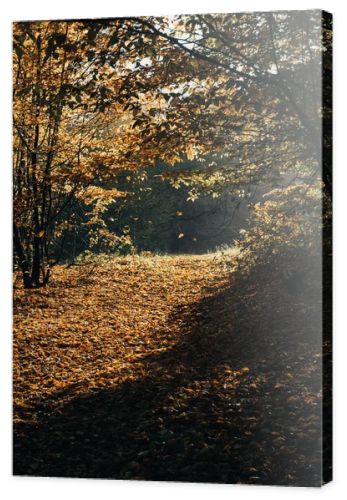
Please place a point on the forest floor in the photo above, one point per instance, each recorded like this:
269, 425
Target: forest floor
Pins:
166, 368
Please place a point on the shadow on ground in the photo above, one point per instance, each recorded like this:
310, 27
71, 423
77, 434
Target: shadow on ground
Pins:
235, 400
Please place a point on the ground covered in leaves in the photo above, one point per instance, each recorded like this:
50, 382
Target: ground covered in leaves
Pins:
167, 368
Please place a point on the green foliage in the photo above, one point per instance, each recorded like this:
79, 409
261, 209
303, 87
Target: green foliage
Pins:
160, 217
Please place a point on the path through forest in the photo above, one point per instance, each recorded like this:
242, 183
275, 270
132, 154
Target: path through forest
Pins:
166, 368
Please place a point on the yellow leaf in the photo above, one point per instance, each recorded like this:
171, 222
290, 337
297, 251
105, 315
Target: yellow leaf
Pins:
40, 234
190, 152
195, 63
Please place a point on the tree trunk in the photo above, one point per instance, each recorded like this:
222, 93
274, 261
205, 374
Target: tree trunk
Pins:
27, 283
36, 268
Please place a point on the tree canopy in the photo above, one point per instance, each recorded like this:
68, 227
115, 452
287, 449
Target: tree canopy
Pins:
235, 94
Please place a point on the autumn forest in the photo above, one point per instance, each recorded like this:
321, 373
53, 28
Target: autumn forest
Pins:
172, 194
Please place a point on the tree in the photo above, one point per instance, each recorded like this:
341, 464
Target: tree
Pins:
70, 129
93, 99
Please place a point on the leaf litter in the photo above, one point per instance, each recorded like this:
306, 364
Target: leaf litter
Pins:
166, 368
